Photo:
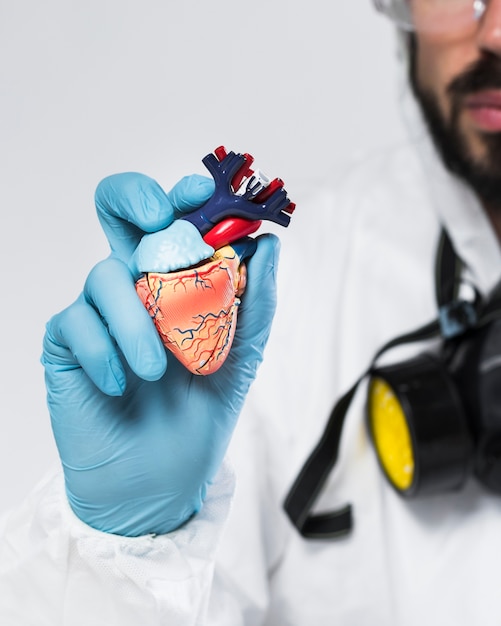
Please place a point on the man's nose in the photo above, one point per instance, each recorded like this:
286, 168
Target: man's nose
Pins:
489, 29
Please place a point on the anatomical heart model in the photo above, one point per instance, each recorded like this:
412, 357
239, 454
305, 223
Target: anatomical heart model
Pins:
194, 306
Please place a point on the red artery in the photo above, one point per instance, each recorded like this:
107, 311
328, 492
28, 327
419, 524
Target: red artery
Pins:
230, 230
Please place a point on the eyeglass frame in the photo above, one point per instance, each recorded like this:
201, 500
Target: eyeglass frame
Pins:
479, 7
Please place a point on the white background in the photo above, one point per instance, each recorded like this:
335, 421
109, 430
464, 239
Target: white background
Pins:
92, 88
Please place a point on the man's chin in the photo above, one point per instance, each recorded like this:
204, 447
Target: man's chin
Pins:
467, 149
472, 145
473, 156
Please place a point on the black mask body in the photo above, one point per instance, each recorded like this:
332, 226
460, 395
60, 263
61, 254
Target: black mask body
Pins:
476, 368
450, 401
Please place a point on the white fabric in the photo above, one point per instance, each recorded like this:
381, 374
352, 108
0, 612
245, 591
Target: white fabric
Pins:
56, 571
356, 270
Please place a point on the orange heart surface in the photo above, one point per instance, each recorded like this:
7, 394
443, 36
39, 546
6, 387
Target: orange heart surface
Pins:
195, 309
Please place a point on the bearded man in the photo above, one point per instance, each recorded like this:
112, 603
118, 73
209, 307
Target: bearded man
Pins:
140, 529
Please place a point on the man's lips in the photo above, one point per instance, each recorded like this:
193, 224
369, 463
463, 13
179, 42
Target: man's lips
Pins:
484, 109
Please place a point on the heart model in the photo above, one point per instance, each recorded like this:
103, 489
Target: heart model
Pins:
194, 300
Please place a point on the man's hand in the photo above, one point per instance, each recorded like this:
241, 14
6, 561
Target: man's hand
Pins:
139, 436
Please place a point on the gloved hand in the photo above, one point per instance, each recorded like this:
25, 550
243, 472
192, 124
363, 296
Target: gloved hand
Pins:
139, 436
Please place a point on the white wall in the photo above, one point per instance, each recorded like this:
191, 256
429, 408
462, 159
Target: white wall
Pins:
91, 88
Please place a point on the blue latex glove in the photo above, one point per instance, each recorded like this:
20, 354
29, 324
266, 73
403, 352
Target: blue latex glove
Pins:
139, 436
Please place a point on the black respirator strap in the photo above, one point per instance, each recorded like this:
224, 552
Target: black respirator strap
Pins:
315, 471
448, 269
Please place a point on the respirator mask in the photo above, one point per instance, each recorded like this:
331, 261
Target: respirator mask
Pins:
435, 419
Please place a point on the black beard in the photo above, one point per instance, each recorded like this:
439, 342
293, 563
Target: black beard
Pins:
484, 174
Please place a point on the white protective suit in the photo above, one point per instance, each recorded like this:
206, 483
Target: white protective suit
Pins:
356, 270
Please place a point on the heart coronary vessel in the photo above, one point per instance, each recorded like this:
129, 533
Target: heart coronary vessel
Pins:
195, 309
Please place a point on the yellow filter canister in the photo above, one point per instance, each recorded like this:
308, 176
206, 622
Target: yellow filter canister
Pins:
391, 435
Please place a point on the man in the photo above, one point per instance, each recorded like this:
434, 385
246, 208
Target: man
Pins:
147, 536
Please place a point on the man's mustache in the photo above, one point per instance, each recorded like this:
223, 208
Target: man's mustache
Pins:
479, 76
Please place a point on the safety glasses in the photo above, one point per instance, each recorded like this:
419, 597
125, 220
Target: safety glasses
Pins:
432, 15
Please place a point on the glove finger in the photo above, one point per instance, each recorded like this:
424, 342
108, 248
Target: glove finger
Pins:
77, 338
257, 308
190, 193
131, 204
128, 205
111, 291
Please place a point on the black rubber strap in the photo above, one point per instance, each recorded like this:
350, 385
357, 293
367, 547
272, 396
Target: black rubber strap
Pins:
448, 269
